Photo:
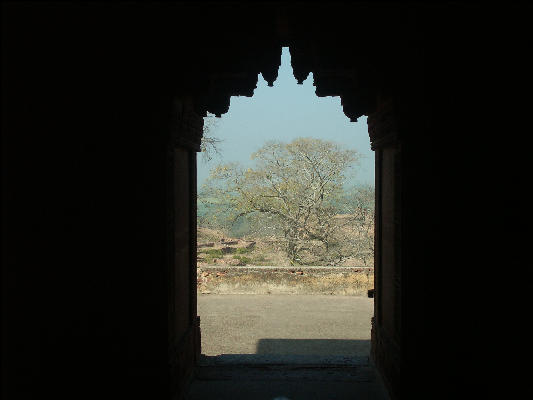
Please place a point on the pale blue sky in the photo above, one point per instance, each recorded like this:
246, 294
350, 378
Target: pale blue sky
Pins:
285, 112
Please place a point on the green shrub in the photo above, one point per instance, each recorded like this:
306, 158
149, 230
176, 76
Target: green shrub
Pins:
243, 250
213, 253
244, 259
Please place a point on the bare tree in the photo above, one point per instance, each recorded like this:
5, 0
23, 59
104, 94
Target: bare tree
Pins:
354, 237
293, 187
210, 143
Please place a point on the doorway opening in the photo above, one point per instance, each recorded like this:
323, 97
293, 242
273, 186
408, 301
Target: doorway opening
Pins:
285, 230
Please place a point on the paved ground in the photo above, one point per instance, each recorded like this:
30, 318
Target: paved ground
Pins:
283, 347
317, 325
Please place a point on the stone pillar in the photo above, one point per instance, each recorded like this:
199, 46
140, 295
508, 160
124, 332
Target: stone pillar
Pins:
386, 324
183, 323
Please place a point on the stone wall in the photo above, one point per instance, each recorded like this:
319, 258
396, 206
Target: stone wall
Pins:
348, 281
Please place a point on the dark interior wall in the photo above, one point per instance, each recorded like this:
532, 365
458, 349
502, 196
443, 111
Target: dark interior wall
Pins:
85, 172
101, 116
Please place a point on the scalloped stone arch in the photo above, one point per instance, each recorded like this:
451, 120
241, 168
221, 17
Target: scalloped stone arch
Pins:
362, 77
353, 79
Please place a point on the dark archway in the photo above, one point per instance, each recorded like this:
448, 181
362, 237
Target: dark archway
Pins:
361, 76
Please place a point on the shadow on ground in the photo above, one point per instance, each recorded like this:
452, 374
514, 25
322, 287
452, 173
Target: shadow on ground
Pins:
343, 352
319, 347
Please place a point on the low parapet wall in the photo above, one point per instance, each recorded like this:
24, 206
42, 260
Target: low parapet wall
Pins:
348, 281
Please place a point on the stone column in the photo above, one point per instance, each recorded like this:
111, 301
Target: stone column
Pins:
386, 324
184, 329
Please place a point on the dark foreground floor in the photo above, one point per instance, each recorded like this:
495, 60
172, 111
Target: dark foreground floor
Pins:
287, 381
